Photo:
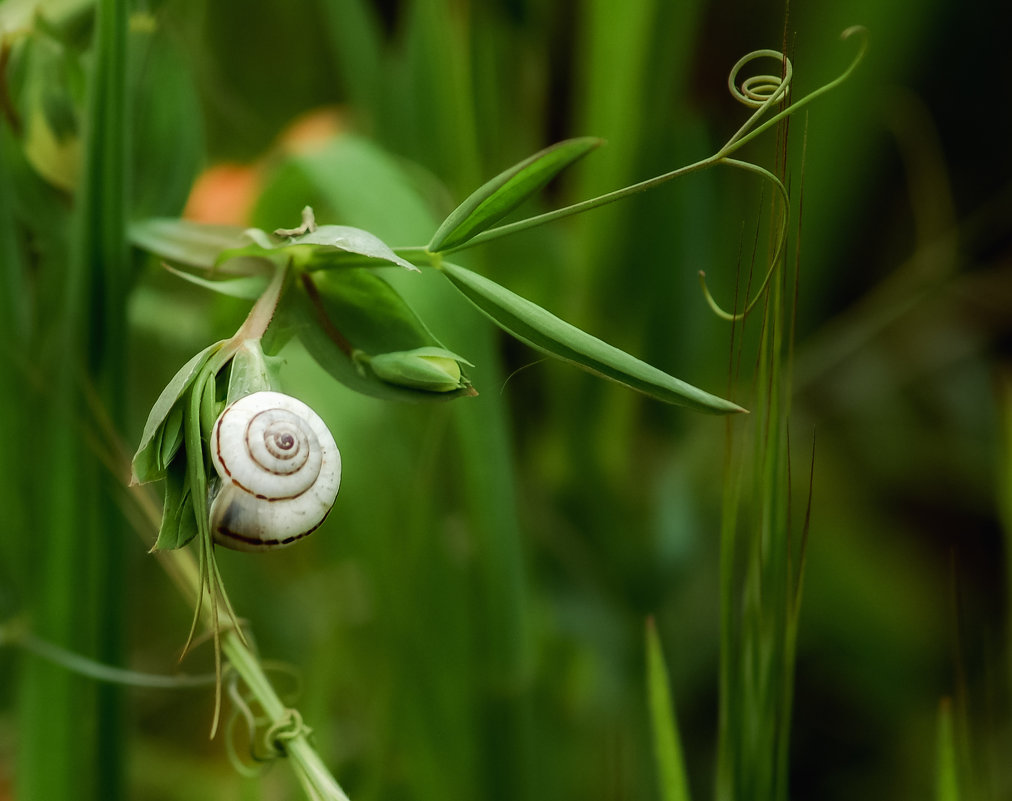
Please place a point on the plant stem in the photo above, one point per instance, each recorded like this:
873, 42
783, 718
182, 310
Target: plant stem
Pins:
583, 205
314, 776
262, 313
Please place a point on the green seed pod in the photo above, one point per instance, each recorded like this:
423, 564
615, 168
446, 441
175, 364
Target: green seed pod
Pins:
430, 369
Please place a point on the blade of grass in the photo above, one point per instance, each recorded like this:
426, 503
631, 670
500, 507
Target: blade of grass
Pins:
354, 31
759, 591
946, 760
1005, 501
674, 784
78, 598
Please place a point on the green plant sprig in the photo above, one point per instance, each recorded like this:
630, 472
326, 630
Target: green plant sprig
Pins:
198, 577
212, 585
195, 399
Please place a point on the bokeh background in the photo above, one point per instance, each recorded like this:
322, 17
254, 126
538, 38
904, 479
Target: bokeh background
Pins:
469, 622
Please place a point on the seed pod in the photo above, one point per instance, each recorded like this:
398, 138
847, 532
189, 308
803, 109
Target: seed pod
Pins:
430, 369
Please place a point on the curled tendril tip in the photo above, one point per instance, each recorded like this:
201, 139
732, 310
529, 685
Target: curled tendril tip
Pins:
761, 92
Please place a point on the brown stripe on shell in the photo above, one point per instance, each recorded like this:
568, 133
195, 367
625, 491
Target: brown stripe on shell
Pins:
258, 543
247, 490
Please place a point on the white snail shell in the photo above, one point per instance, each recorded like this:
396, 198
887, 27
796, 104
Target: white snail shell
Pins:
280, 470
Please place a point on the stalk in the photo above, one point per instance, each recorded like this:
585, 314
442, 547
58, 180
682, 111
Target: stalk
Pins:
292, 738
78, 590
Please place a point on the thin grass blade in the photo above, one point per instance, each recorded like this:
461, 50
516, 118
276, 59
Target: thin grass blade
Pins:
946, 759
79, 594
674, 785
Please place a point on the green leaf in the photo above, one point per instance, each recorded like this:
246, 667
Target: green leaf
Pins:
667, 744
327, 247
179, 524
170, 435
369, 312
495, 199
544, 331
341, 316
162, 431
247, 287
332, 244
185, 242
166, 155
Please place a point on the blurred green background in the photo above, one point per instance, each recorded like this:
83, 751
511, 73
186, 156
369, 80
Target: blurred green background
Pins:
469, 622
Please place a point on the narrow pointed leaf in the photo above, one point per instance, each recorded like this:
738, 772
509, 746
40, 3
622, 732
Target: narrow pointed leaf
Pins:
162, 432
185, 242
542, 330
494, 200
246, 287
328, 247
667, 744
179, 525
215, 246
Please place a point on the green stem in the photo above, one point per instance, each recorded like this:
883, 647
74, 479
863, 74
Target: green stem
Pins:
195, 577
93, 669
262, 313
583, 205
781, 240
314, 776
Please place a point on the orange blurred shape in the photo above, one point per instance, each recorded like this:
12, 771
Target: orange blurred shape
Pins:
223, 195
311, 130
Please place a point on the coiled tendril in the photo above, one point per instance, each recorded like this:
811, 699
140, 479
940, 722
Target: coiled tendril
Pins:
757, 90
274, 731
761, 92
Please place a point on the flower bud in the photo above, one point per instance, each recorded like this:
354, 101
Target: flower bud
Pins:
429, 369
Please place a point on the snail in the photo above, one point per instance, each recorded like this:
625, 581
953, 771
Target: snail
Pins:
280, 472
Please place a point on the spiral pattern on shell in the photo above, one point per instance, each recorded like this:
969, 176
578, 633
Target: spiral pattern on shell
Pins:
280, 470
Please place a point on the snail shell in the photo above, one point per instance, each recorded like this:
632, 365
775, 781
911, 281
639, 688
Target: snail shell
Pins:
280, 470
